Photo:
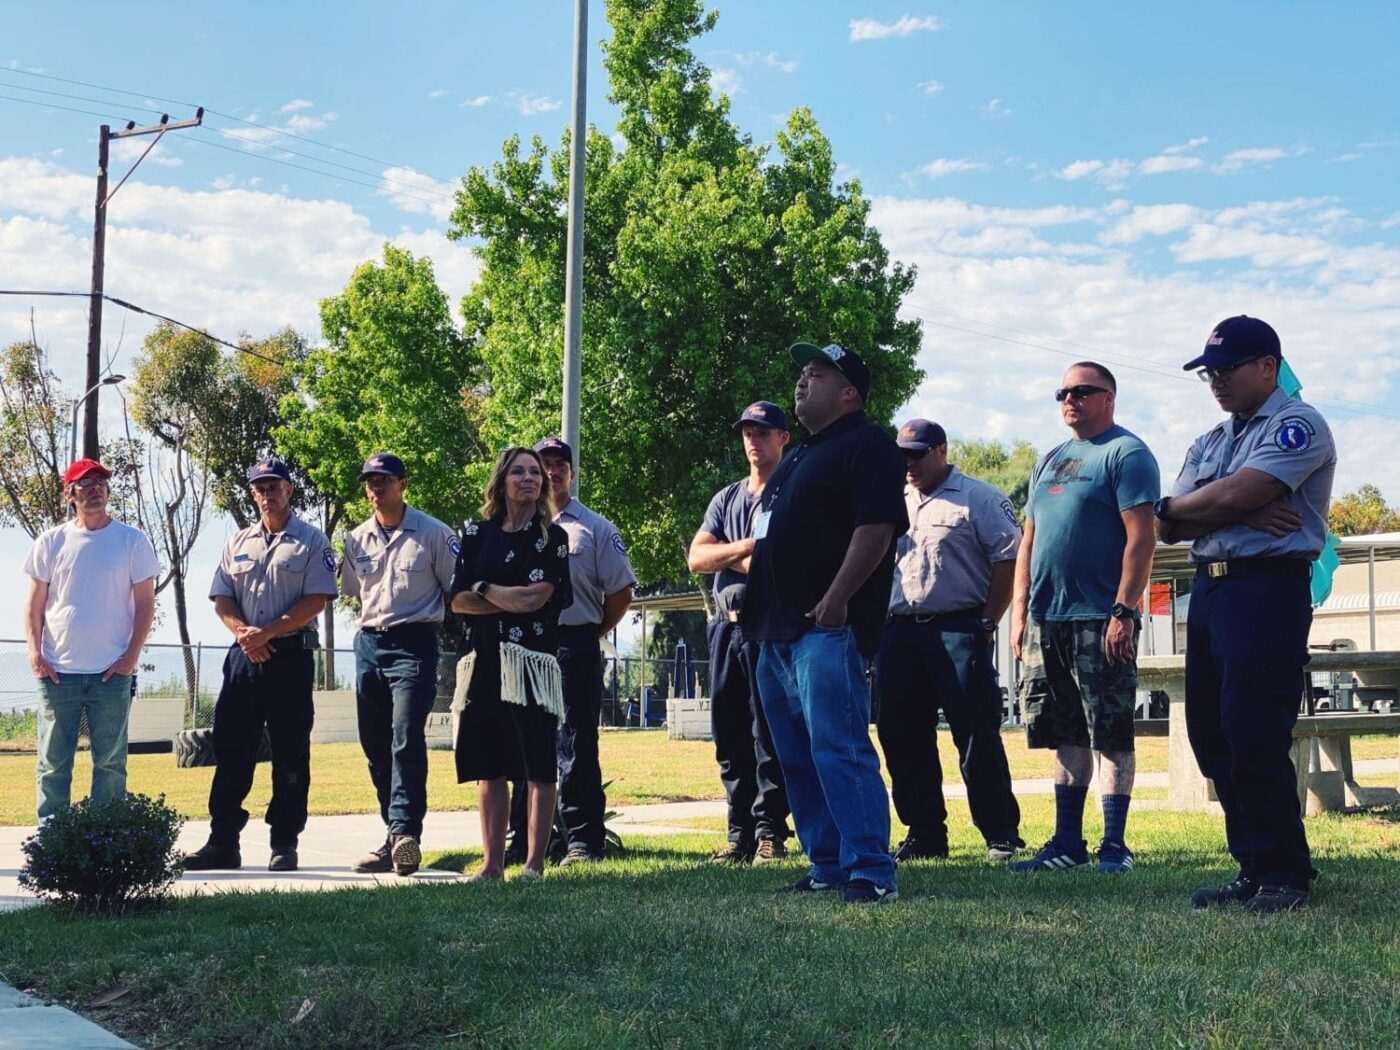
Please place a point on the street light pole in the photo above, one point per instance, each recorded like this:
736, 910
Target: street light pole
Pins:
111, 380
573, 286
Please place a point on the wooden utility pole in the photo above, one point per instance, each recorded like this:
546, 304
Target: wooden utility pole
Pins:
105, 135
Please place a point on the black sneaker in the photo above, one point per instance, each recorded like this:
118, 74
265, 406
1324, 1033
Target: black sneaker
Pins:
769, 850
809, 884
733, 853
405, 854
1054, 857
914, 848
1237, 891
1000, 851
863, 891
284, 858
580, 855
376, 862
214, 857
1273, 898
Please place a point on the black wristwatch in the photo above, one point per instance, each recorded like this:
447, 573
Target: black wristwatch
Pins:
1162, 508
1125, 612
479, 588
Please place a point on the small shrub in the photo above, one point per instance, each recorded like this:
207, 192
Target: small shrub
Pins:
104, 857
19, 726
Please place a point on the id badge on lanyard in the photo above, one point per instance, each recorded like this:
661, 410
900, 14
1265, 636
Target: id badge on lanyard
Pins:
760, 524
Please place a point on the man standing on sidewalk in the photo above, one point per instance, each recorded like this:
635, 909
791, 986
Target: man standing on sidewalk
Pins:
748, 768
272, 582
399, 564
1085, 557
819, 588
91, 601
952, 582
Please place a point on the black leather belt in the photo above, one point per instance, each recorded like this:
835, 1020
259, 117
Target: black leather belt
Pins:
960, 614
415, 627
1254, 567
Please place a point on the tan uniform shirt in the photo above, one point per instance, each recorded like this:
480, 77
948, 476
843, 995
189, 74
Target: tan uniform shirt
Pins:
405, 579
598, 564
267, 574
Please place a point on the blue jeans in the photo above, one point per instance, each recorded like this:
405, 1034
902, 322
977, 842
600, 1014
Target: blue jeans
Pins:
108, 706
818, 705
395, 687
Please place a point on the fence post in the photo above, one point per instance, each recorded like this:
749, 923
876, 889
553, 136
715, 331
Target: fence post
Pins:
198, 671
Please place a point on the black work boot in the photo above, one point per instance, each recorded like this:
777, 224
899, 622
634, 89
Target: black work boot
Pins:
214, 856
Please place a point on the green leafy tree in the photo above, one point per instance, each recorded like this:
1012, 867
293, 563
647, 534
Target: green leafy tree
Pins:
33, 440
1362, 512
1007, 468
705, 257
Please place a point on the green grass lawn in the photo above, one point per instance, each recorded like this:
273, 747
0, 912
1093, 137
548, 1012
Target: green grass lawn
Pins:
652, 950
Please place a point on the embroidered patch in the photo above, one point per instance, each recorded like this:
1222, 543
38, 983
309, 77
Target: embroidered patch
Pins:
328, 556
241, 557
454, 547
1009, 511
617, 542
1294, 434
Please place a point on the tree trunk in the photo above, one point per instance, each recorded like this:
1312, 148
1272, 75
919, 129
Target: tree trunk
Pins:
186, 648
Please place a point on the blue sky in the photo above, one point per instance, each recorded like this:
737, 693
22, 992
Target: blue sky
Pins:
1099, 180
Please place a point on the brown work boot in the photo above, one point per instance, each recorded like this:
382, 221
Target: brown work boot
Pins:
405, 854
376, 861
770, 850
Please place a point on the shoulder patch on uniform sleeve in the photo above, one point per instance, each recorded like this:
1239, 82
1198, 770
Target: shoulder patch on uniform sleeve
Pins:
617, 542
1009, 511
328, 556
455, 547
1294, 434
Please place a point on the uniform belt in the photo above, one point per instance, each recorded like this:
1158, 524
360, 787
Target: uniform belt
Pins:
960, 614
1254, 567
415, 626
292, 643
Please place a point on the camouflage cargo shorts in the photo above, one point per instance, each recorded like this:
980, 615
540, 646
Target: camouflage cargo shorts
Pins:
1070, 695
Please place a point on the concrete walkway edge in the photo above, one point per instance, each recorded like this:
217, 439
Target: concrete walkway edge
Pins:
27, 1023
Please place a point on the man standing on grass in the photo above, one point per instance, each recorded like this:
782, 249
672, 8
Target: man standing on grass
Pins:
272, 582
819, 587
1084, 561
92, 598
399, 564
748, 768
1253, 495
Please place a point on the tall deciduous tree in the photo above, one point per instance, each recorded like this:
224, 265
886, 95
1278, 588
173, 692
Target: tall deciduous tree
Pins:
705, 257
33, 440
1362, 512
1007, 468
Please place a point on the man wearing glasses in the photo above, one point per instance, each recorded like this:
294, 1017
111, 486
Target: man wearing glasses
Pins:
1252, 496
952, 582
92, 599
1084, 561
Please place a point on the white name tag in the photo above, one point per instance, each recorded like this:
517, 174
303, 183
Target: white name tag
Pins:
760, 525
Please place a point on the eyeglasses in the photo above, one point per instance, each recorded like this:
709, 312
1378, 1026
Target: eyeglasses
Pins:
1079, 393
1210, 375
913, 454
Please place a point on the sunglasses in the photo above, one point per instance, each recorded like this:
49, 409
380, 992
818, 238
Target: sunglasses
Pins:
1210, 375
912, 454
90, 483
1079, 393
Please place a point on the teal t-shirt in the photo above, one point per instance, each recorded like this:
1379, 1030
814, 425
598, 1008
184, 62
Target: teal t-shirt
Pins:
1077, 495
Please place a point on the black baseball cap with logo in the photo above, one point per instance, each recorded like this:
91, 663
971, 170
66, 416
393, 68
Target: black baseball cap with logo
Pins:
383, 463
556, 446
763, 414
920, 435
1236, 340
847, 362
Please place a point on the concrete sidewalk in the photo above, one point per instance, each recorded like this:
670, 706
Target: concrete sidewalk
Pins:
35, 1025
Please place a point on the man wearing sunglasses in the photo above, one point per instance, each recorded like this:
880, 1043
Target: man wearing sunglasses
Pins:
1252, 496
1083, 565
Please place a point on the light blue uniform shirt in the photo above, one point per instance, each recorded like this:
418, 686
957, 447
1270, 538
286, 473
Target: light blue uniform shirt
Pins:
1286, 439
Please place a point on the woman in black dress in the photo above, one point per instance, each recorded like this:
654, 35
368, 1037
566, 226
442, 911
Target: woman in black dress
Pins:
511, 581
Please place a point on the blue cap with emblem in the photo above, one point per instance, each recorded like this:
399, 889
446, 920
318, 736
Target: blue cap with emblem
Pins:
271, 467
764, 414
555, 446
920, 435
383, 463
1236, 340
847, 362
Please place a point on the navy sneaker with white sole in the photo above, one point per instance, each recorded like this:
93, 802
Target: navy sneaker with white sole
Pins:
1114, 858
863, 891
1054, 857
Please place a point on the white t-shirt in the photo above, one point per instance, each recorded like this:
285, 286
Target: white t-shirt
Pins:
90, 612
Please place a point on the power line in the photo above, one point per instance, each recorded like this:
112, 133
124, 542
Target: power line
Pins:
54, 105
64, 94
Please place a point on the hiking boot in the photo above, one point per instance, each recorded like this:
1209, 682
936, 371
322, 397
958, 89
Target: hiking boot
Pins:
1273, 898
732, 853
1053, 857
863, 891
214, 857
1237, 891
284, 858
376, 862
915, 848
770, 850
1002, 850
405, 854
809, 884
1114, 858
580, 855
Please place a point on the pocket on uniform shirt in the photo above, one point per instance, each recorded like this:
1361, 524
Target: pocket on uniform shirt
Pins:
411, 561
291, 564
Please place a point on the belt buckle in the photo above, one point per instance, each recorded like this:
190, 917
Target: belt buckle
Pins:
1217, 569
924, 617
732, 615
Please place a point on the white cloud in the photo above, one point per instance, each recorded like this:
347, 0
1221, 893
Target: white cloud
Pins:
995, 109
1240, 159
417, 193
947, 166
304, 123
534, 105
1079, 169
931, 87
1344, 158
298, 104
1165, 163
873, 29
476, 102
263, 137
1109, 173
437, 92
726, 82
1151, 220
1188, 146
1391, 223
770, 59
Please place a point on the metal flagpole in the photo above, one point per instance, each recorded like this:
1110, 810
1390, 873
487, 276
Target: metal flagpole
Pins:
573, 287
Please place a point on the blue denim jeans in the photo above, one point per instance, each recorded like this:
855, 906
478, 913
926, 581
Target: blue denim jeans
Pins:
817, 700
395, 687
61, 706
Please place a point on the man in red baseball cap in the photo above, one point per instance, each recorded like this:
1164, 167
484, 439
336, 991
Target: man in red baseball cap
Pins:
91, 602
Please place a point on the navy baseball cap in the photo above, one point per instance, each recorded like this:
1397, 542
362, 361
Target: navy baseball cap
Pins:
764, 414
556, 446
272, 467
383, 463
1236, 340
847, 362
920, 435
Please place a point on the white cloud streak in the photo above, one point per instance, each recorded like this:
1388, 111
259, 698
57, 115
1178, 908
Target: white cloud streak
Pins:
298, 104
948, 166
931, 87
864, 29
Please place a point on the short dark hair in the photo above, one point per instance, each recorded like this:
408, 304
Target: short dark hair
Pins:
1103, 372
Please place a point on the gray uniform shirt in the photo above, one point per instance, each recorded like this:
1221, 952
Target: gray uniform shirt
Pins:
1286, 439
266, 575
404, 580
956, 532
598, 564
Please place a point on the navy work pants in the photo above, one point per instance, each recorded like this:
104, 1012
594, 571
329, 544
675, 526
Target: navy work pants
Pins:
944, 664
748, 765
276, 695
1246, 646
395, 686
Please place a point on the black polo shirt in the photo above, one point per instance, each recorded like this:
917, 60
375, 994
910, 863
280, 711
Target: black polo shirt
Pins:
849, 474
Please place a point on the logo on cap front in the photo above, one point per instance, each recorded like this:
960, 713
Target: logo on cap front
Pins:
1216, 339
907, 433
834, 352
